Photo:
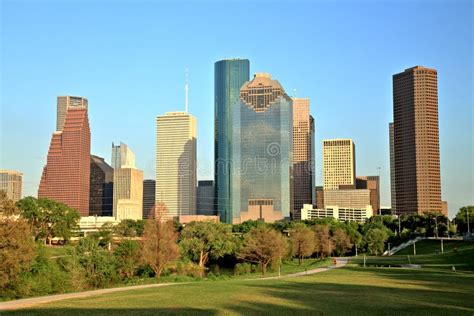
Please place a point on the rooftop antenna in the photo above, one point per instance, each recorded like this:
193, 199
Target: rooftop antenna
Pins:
186, 89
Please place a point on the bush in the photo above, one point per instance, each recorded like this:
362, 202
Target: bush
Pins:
188, 268
243, 268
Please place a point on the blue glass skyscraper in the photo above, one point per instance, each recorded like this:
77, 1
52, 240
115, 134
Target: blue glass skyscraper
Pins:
229, 76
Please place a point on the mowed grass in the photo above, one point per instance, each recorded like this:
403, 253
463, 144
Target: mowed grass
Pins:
458, 254
350, 290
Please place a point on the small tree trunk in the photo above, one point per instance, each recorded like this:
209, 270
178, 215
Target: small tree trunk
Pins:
264, 268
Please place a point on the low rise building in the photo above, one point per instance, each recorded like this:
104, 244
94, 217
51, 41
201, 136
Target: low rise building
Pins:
308, 212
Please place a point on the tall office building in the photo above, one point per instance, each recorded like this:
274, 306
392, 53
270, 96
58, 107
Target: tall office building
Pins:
229, 76
128, 185
176, 163
393, 194
262, 152
63, 104
339, 164
303, 154
371, 183
101, 187
149, 189
11, 183
205, 198
416, 141
66, 176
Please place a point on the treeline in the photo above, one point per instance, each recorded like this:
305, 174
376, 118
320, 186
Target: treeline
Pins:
169, 250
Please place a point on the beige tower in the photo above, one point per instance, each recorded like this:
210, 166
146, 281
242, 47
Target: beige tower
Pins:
11, 183
128, 185
64, 103
339, 164
176, 163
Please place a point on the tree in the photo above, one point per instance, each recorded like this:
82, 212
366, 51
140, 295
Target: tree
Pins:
127, 257
263, 245
48, 218
323, 243
375, 239
17, 251
301, 241
461, 219
159, 245
130, 228
341, 241
7, 206
201, 241
246, 226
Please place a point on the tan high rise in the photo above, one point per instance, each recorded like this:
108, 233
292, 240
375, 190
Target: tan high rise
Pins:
128, 185
339, 164
416, 141
65, 103
176, 163
11, 183
303, 163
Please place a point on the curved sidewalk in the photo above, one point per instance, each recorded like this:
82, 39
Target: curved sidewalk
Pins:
29, 302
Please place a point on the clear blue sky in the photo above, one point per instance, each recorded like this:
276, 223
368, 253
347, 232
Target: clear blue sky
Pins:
129, 58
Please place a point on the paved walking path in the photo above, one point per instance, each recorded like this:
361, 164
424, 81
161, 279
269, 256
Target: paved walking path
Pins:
29, 302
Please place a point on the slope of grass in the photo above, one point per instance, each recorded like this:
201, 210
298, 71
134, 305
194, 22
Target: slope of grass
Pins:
351, 290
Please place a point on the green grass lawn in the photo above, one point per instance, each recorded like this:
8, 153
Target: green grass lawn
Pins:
350, 290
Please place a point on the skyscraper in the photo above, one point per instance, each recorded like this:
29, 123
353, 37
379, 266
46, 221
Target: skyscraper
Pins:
149, 193
101, 187
66, 176
205, 198
229, 76
303, 154
11, 182
393, 194
63, 104
371, 183
128, 184
339, 164
416, 141
176, 163
261, 152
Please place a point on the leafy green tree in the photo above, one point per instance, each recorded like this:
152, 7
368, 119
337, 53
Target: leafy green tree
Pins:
48, 218
130, 228
159, 245
7, 206
263, 245
201, 241
323, 243
127, 257
341, 241
375, 239
301, 241
461, 219
246, 226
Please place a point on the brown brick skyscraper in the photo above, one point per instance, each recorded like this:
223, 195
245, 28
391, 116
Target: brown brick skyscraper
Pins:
416, 140
66, 174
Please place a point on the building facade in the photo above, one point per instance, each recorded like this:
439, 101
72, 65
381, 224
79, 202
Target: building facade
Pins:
371, 183
229, 76
66, 176
11, 182
393, 193
416, 141
149, 195
205, 198
63, 104
262, 152
303, 154
128, 186
122, 156
339, 164
308, 212
176, 163
101, 187
349, 198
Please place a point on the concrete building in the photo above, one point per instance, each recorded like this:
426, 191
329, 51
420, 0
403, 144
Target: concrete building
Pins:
308, 212
64, 103
101, 187
66, 176
205, 198
350, 198
262, 152
11, 182
444, 208
416, 141
393, 193
339, 164
303, 154
128, 187
371, 183
319, 192
176, 163
229, 76
122, 156
149, 195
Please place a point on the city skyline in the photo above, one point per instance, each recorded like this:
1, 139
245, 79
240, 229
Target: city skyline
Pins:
371, 137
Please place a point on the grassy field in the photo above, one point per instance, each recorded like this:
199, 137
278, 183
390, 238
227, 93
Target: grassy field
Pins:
350, 290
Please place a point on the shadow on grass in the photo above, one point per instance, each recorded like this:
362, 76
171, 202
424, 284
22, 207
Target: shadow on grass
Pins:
110, 311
